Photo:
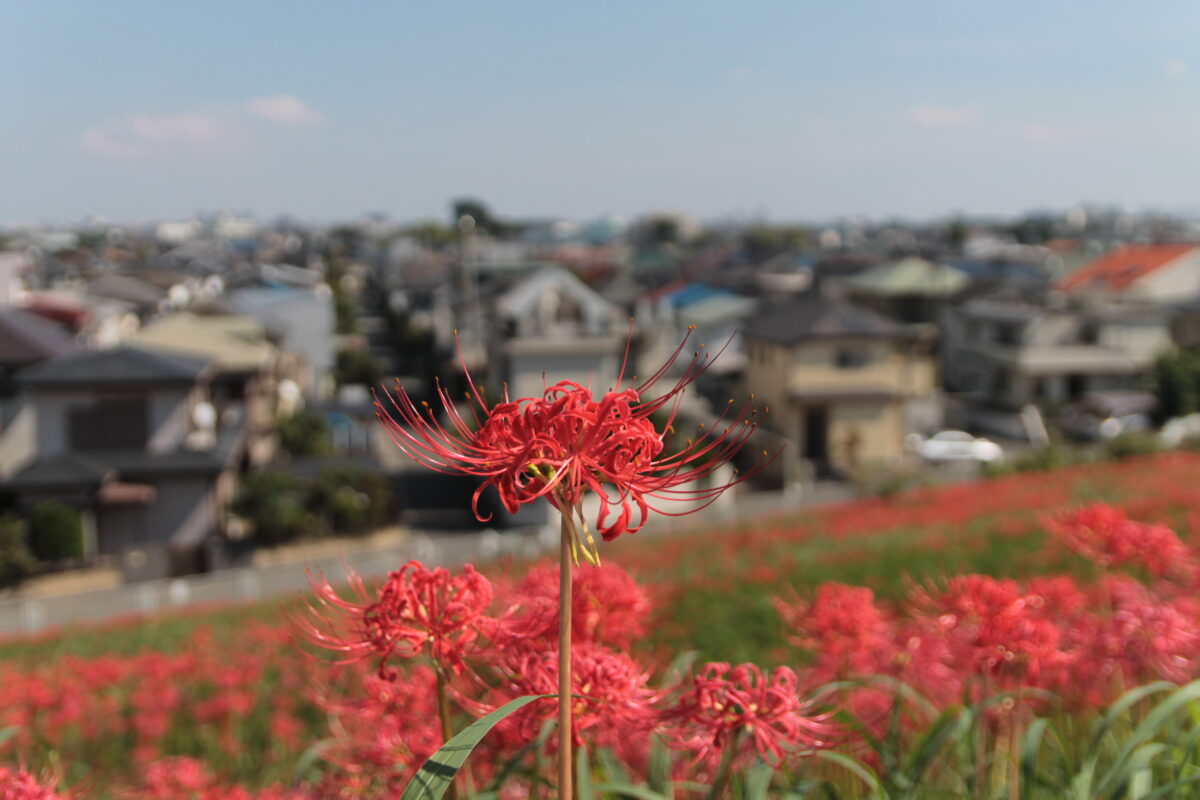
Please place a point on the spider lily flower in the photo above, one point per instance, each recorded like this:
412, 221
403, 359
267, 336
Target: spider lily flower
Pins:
417, 608
568, 442
724, 702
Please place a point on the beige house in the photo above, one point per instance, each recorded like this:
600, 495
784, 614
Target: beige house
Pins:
842, 384
248, 366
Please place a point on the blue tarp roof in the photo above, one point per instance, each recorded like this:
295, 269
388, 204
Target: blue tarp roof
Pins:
696, 293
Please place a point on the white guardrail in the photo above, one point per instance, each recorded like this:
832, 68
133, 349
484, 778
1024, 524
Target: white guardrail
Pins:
248, 584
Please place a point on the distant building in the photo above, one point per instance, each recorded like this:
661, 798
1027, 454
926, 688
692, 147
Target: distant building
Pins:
116, 436
911, 290
1165, 273
304, 318
13, 267
26, 340
247, 365
843, 384
1002, 353
554, 327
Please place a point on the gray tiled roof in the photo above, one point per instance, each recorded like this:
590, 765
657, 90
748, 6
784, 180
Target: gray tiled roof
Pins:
83, 470
120, 366
26, 339
815, 317
63, 471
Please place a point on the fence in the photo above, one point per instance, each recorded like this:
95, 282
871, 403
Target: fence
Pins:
33, 614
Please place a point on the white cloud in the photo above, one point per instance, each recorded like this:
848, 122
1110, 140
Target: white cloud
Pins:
1174, 68
285, 109
938, 117
214, 129
145, 134
1040, 133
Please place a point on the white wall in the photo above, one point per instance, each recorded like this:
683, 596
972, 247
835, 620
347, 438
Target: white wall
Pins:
1173, 282
18, 435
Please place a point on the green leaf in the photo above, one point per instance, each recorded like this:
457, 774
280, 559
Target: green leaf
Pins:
952, 725
1170, 789
1031, 744
629, 790
660, 767
613, 768
438, 771
583, 775
758, 780
678, 669
1158, 717
306, 761
8, 733
856, 768
1124, 703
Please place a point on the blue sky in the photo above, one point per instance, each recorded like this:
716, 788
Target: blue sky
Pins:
787, 110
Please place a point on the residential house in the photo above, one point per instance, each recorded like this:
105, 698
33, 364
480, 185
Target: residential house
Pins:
552, 326
1162, 273
116, 437
841, 383
304, 321
247, 365
13, 267
25, 341
716, 315
1004, 352
97, 322
145, 298
912, 290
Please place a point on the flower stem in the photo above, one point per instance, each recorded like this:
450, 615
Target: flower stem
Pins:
565, 760
444, 715
721, 781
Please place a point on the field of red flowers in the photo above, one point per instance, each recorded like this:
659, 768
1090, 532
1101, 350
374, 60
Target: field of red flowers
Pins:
1063, 589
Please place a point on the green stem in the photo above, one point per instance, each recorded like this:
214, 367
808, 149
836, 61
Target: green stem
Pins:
721, 782
444, 715
565, 760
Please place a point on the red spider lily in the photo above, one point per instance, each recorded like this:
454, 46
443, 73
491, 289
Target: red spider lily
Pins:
607, 606
567, 442
416, 608
612, 698
844, 628
723, 702
1145, 636
387, 731
1108, 537
17, 784
997, 631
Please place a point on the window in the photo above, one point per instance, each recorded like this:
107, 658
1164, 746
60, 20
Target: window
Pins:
852, 358
108, 424
1008, 333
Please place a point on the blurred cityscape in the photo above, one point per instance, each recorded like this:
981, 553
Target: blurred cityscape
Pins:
177, 396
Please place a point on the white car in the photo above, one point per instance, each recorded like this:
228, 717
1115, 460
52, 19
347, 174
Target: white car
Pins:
954, 446
1180, 429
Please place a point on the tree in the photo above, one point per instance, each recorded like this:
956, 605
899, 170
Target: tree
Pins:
273, 502
350, 499
16, 561
304, 434
1176, 382
432, 234
55, 531
480, 214
355, 366
764, 241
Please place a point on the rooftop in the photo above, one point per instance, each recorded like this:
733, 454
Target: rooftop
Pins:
1124, 266
117, 367
814, 317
